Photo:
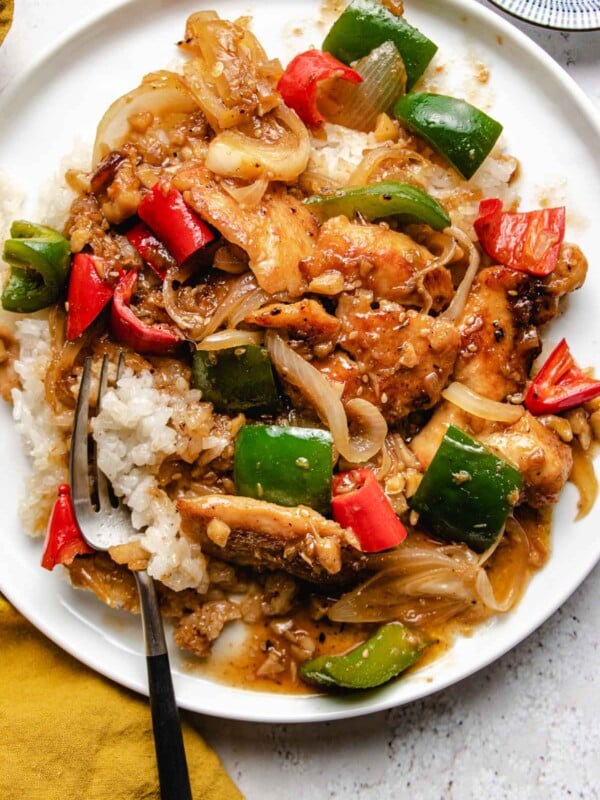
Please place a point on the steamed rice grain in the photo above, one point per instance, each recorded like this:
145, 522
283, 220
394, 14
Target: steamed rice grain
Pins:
134, 434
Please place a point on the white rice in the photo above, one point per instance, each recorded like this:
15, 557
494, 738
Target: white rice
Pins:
136, 430
341, 152
134, 433
43, 440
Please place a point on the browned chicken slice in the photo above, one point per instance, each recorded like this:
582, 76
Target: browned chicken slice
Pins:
306, 319
499, 338
267, 536
499, 335
400, 360
389, 263
276, 234
543, 459
568, 275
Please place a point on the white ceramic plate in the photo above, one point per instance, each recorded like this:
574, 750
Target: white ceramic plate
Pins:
548, 125
564, 15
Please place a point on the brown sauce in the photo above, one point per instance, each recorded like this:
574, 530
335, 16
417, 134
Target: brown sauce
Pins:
264, 656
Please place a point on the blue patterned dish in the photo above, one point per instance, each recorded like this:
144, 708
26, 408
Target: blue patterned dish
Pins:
568, 15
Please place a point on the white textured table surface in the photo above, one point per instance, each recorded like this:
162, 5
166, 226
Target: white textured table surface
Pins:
525, 728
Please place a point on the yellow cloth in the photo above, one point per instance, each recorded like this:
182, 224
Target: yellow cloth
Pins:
6, 16
67, 733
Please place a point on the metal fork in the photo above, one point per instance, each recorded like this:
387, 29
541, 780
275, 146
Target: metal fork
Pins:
97, 521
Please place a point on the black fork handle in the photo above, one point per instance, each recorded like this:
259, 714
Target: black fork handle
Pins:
168, 740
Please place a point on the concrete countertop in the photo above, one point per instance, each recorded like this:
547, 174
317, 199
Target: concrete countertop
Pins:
525, 728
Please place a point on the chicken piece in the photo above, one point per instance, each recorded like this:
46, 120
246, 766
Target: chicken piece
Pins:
535, 450
499, 339
543, 459
270, 537
306, 319
197, 630
276, 234
426, 442
389, 263
568, 275
499, 336
401, 360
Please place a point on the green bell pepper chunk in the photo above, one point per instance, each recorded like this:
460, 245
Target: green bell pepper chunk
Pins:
394, 648
284, 465
236, 379
467, 492
459, 131
379, 200
365, 24
39, 260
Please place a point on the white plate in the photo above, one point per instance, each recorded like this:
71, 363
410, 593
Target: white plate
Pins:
564, 15
548, 125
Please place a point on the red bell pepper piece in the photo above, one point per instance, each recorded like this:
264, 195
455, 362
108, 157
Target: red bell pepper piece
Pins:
170, 218
159, 339
560, 384
88, 294
526, 241
151, 249
360, 503
298, 84
64, 539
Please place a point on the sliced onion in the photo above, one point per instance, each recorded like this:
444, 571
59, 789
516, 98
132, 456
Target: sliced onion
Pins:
404, 164
369, 429
248, 305
244, 293
278, 148
160, 93
509, 568
356, 448
186, 320
480, 406
487, 595
229, 75
420, 573
229, 338
459, 300
249, 195
384, 81
584, 478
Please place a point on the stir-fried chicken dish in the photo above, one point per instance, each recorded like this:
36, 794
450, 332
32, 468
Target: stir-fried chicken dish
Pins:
331, 424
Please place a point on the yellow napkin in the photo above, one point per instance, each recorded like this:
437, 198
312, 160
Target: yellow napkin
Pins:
6, 16
67, 733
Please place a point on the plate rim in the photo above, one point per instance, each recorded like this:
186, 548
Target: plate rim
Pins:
592, 116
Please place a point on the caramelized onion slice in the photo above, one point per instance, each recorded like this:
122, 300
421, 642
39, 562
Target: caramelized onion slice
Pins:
357, 106
229, 338
357, 447
248, 195
276, 147
459, 300
474, 403
229, 74
159, 93
416, 573
584, 478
